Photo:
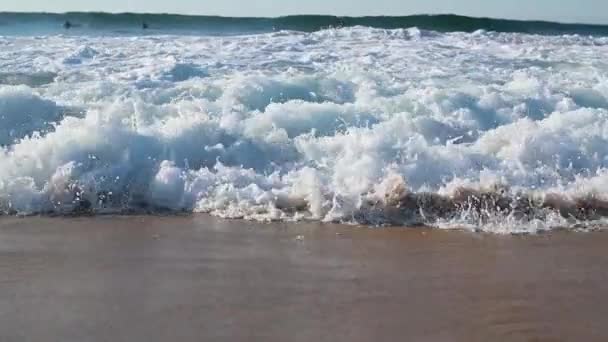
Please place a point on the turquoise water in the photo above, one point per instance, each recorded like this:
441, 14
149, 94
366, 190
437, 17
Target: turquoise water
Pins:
130, 23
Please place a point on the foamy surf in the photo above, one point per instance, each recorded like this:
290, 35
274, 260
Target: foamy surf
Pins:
501, 132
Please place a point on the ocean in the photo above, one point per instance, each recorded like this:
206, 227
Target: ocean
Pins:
97, 23
442, 121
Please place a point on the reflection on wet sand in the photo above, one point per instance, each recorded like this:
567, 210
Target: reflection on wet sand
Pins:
198, 278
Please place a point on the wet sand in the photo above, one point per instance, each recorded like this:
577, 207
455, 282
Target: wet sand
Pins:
203, 279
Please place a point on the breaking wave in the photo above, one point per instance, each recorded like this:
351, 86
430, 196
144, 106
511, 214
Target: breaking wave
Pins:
499, 132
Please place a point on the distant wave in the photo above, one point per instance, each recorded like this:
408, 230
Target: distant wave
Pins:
96, 21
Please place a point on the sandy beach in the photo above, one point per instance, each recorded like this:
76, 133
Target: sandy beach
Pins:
198, 278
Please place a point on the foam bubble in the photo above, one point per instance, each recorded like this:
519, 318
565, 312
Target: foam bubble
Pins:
484, 131
23, 113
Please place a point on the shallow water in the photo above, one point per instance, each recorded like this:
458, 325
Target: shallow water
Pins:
502, 132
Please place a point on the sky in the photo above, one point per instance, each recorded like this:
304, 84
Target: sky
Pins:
591, 11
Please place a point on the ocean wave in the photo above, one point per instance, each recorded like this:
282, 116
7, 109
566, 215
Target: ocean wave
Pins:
498, 132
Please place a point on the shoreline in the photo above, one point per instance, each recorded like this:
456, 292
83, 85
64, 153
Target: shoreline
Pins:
196, 277
591, 227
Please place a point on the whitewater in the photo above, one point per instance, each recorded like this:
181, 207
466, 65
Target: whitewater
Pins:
488, 131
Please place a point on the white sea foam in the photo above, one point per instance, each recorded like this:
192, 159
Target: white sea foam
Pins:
487, 131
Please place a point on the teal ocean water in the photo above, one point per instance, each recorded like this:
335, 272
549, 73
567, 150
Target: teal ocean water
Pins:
83, 23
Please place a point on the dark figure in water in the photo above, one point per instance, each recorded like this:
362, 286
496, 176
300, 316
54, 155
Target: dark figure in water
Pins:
144, 26
67, 25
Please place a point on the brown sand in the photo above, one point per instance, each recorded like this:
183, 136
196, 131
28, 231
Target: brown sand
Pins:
202, 279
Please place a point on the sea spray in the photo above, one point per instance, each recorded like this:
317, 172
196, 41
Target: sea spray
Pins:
502, 132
